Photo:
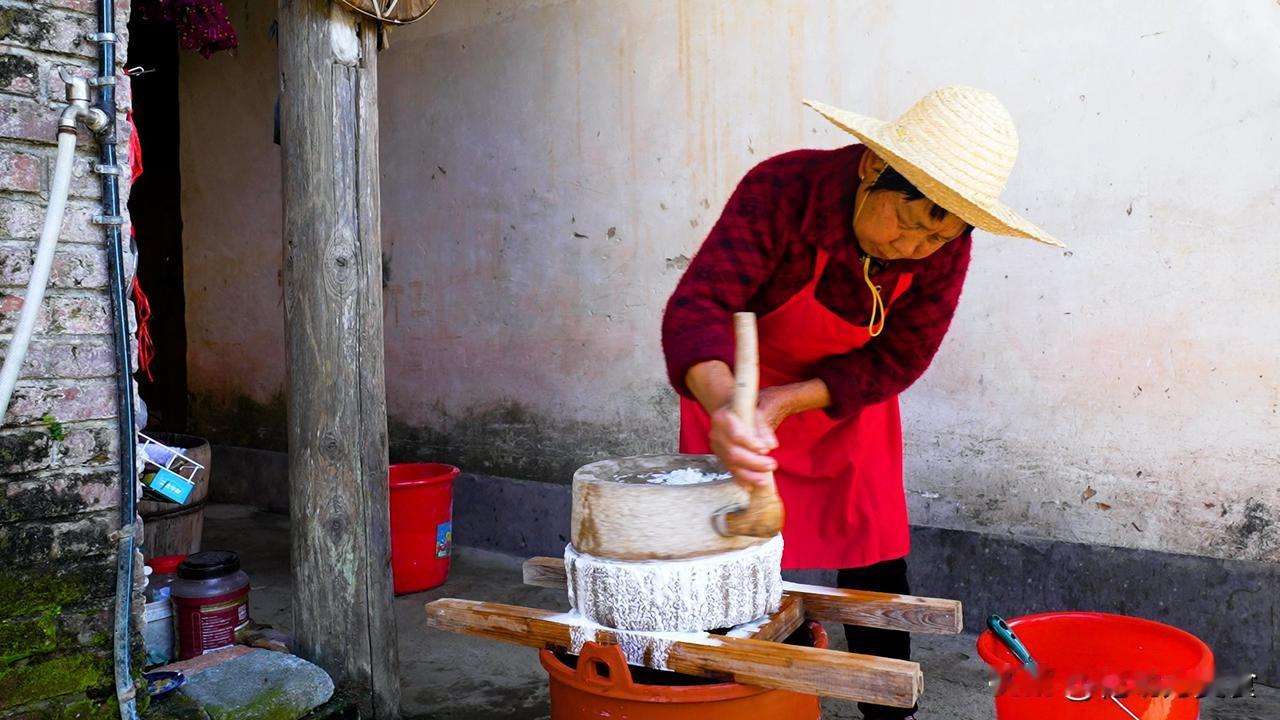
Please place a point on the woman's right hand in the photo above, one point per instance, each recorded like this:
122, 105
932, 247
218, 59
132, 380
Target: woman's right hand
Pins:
743, 452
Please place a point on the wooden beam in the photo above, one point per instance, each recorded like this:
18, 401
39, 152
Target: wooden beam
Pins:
342, 612
879, 610
830, 673
851, 607
778, 627
547, 572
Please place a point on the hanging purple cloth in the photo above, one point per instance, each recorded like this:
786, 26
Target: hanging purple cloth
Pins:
202, 25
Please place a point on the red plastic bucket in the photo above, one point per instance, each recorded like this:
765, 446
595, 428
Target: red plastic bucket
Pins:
1091, 663
421, 525
598, 683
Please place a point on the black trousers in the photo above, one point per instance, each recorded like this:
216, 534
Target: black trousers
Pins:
889, 576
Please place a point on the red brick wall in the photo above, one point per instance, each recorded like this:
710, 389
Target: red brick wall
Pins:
59, 478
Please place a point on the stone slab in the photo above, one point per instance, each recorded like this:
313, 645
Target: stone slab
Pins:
259, 684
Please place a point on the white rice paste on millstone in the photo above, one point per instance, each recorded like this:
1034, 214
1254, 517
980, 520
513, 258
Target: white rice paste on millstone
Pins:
647, 649
692, 595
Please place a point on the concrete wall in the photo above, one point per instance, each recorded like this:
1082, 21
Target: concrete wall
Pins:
59, 462
231, 247
549, 167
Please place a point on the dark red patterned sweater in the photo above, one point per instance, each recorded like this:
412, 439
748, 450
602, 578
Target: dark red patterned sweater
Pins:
762, 251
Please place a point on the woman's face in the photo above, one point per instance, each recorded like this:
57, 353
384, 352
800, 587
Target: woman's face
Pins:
890, 227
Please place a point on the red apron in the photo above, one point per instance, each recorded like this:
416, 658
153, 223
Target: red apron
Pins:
840, 480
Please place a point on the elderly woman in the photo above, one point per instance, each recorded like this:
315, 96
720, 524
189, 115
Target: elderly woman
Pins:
854, 260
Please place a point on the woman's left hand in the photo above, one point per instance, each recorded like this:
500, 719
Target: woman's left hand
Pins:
773, 406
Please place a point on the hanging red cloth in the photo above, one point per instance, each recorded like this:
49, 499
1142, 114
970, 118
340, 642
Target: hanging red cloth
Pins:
135, 150
146, 347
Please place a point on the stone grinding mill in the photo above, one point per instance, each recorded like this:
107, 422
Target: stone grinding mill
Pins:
678, 567
670, 543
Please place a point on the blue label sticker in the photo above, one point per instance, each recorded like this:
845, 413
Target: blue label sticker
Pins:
169, 485
444, 539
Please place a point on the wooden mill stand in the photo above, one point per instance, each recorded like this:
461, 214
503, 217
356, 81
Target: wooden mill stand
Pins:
751, 654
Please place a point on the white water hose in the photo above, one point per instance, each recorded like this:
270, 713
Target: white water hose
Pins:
77, 93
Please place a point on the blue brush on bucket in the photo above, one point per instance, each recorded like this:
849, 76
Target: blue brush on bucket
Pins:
1006, 635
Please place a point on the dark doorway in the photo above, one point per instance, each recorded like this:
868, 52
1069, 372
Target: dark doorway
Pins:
156, 210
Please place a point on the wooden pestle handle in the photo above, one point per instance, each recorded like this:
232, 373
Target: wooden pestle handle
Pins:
746, 368
763, 515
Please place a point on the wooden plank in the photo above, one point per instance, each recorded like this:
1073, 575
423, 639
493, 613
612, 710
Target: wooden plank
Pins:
851, 607
879, 610
547, 572
342, 598
829, 673
779, 626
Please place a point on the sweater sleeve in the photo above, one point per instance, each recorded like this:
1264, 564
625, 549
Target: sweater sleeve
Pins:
914, 328
739, 255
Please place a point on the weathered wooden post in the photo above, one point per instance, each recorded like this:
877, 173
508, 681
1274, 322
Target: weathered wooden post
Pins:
342, 597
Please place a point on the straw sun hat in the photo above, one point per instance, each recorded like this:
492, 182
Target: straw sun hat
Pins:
957, 145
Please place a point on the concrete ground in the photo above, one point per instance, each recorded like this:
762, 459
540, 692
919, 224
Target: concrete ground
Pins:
452, 677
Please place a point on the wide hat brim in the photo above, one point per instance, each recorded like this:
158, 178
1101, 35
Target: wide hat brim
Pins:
992, 216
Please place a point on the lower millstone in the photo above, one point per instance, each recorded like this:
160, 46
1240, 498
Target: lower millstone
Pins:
691, 595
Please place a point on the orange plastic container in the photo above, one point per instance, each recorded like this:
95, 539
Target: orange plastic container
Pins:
1086, 658
598, 683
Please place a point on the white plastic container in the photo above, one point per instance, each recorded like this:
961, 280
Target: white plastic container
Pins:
157, 631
